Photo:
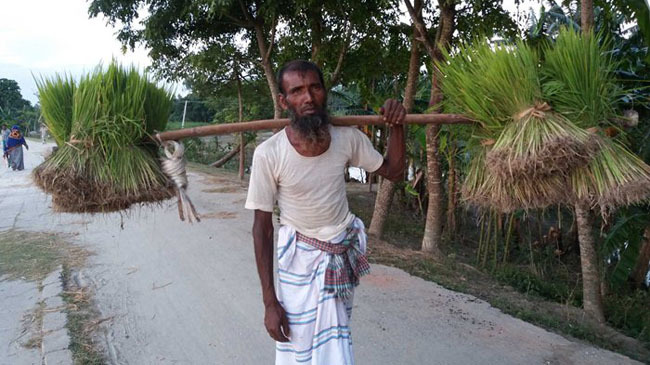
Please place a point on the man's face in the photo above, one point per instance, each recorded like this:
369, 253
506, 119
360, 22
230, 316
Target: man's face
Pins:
305, 99
305, 95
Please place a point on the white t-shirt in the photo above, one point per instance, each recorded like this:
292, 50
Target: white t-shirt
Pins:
310, 190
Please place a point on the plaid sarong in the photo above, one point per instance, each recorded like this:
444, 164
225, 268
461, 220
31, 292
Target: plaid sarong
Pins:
347, 263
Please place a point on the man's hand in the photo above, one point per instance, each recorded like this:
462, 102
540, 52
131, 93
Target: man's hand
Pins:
277, 325
393, 112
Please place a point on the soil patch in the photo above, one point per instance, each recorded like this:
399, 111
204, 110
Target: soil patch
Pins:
219, 215
224, 190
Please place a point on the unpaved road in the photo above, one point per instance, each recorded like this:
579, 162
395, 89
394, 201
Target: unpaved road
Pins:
175, 293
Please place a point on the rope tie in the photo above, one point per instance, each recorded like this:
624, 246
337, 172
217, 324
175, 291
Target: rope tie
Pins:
538, 111
173, 165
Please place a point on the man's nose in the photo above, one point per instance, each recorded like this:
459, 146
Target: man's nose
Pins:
309, 97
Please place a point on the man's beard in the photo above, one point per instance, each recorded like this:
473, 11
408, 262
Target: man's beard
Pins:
314, 127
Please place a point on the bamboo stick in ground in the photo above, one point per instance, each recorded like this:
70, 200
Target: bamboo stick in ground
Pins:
218, 129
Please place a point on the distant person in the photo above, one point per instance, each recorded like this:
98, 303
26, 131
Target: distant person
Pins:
43, 132
5, 136
13, 150
321, 244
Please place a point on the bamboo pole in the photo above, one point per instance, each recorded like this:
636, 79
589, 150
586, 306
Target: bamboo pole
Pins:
218, 129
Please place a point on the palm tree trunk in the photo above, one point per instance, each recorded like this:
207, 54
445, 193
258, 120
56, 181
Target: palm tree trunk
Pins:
387, 188
641, 268
591, 294
586, 15
451, 195
433, 227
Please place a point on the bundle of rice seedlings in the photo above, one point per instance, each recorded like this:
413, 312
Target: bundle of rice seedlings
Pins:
614, 178
531, 148
56, 106
499, 85
540, 143
105, 159
580, 83
579, 78
486, 190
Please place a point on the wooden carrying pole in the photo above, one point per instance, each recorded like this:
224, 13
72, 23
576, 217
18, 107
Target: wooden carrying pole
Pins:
218, 129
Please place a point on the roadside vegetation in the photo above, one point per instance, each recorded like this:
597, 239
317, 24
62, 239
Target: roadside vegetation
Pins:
31, 256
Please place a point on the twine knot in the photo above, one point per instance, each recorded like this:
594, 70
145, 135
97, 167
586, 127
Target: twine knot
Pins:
537, 111
173, 165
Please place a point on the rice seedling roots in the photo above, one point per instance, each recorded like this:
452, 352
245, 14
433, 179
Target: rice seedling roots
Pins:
72, 193
557, 157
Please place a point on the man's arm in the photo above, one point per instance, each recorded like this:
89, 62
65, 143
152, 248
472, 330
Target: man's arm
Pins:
275, 319
395, 161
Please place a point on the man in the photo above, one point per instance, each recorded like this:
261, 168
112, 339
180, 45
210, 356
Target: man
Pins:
43, 129
321, 244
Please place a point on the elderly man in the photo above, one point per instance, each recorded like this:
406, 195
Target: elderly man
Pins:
321, 244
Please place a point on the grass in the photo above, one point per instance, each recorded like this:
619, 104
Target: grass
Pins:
82, 320
35, 320
31, 256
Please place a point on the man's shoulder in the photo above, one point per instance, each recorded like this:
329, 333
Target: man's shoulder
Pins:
271, 145
346, 132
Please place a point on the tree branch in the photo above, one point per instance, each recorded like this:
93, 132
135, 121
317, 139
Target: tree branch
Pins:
416, 19
238, 22
342, 52
245, 11
272, 40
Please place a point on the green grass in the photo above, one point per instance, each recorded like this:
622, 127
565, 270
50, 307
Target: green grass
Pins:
31, 256
82, 318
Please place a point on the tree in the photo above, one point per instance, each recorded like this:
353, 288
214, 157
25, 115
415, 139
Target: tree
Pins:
197, 109
177, 30
13, 108
433, 229
387, 188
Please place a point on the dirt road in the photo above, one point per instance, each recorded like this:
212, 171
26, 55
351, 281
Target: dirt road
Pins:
175, 293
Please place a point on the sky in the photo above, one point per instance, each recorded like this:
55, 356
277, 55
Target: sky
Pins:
39, 38
44, 37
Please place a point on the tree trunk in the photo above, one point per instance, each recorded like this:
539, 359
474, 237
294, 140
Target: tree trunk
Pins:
242, 155
242, 140
227, 157
641, 268
268, 69
591, 295
433, 228
316, 25
586, 15
387, 188
451, 195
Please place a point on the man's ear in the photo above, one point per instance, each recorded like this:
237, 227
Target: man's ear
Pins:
283, 101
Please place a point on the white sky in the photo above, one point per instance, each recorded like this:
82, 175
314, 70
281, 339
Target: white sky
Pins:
43, 37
